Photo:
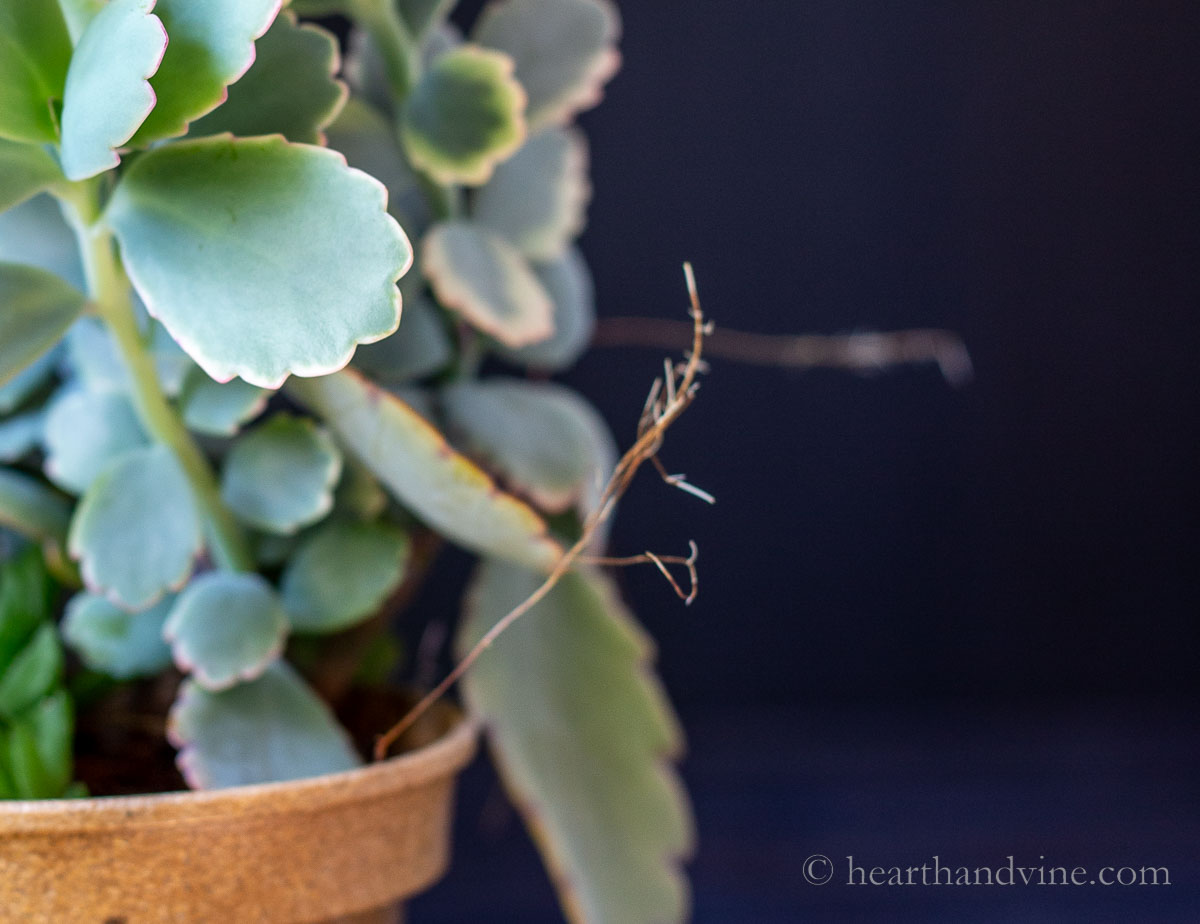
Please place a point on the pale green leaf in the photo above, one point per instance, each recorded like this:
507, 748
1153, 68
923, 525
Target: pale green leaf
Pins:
569, 283
78, 14
262, 258
20, 435
271, 729
359, 494
546, 442
36, 234
565, 51
32, 674
537, 198
226, 628
342, 573
419, 348
25, 169
220, 408
29, 381
38, 307
115, 641
107, 94
582, 734
465, 115
289, 89
423, 15
85, 431
136, 532
414, 462
33, 509
211, 46
280, 476
481, 276
35, 49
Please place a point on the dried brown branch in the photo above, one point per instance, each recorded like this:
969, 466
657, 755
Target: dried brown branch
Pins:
867, 351
669, 397
661, 562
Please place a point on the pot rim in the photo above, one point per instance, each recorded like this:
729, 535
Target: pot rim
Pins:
444, 756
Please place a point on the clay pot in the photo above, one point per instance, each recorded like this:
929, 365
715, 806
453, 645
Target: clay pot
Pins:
346, 847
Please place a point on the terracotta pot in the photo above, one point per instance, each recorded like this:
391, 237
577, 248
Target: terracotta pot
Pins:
344, 847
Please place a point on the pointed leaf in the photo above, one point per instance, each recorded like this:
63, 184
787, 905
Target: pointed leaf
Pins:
32, 674
565, 51
414, 462
465, 115
478, 274
226, 628
419, 348
261, 258
341, 574
33, 509
35, 49
569, 284
20, 435
220, 408
268, 730
211, 46
546, 441
31, 779
38, 309
85, 432
136, 531
52, 722
107, 94
280, 476
114, 641
289, 89
29, 381
536, 199
25, 169
581, 733
36, 234
24, 602
422, 15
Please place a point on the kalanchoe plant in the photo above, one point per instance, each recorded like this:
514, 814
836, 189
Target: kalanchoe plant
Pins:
222, 430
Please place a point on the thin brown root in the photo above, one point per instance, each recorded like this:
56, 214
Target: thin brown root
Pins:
868, 351
660, 412
661, 562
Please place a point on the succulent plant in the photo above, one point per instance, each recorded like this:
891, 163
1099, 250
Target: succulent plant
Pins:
247, 287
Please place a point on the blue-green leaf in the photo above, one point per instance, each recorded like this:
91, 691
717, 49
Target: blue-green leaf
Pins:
19, 435
568, 282
262, 258
114, 641
419, 348
220, 408
33, 509
36, 234
85, 431
38, 309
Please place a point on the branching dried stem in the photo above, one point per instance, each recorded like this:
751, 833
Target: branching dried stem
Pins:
669, 397
867, 351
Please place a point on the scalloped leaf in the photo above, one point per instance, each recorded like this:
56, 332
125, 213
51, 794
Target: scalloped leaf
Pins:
33, 509
418, 349
108, 92
211, 46
268, 730
290, 88
220, 408
226, 628
545, 440
136, 532
38, 309
342, 573
537, 198
465, 115
414, 462
280, 476
114, 641
33, 673
483, 277
35, 50
20, 435
582, 734
262, 258
25, 170
85, 431
565, 51
569, 284
35, 233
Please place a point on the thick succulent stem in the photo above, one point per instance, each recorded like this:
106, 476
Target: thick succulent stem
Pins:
109, 289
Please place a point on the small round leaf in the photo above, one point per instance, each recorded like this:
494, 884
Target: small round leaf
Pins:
85, 431
220, 408
569, 283
114, 641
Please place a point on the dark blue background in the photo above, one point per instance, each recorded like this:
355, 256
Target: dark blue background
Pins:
932, 621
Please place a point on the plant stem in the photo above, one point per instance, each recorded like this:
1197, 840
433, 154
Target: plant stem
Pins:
109, 288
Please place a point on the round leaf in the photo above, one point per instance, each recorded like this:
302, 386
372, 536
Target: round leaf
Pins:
220, 408
465, 115
85, 431
211, 46
226, 628
565, 51
280, 476
478, 274
136, 531
419, 348
35, 233
38, 307
107, 94
569, 284
35, 50
290, 88
114, 641
25, 169
536, 199
271, 729
341, 574
262, 258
